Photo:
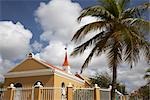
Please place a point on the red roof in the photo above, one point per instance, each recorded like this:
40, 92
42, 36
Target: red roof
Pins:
51, 66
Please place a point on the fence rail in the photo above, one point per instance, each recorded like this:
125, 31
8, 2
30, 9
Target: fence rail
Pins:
104, 94
49, 93
57, 93
2, 93
23, 93
83, 94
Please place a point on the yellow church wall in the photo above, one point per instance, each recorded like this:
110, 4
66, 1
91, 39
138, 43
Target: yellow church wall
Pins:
28, 65
58, 80
47, 80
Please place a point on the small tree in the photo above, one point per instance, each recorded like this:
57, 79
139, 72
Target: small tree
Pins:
103, 80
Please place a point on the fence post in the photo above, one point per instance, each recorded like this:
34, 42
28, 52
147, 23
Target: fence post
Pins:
37, 91
110, 87
96, 92
69, 92
9, 93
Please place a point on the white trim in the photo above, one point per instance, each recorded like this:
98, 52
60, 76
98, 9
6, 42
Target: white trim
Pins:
29, 73
43, 72
68, 76
105, 89
48, 71
118, 92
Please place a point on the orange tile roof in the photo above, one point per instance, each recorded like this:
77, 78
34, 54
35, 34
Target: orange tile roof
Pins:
51, 66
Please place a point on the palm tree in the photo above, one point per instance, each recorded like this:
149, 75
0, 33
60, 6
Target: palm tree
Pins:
124, 34
147, 75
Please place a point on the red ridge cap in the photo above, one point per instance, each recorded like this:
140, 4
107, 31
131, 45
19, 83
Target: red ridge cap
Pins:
51, 66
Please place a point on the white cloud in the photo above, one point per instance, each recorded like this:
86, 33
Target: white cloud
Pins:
36, 46
14, 44
14, 40
133, 77
58, 18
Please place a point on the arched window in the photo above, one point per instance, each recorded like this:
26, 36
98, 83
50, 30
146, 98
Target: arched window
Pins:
37, 82
18, 85
63, 90
63, 85
17, 95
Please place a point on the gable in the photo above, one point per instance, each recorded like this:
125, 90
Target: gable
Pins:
29, 65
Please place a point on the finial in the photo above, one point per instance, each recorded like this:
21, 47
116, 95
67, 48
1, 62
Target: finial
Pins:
30, 55
65, 48
38, 84
66, 45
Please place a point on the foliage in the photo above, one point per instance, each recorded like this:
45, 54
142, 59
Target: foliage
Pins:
125, 33
142, 93
147, 75
1, 85
103, 80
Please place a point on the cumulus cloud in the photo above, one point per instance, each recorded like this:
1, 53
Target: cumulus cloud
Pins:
36, 46
133, 77
14, 40
58, 20
14, 44
59, 25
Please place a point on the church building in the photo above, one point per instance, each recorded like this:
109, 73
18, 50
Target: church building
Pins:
32, 70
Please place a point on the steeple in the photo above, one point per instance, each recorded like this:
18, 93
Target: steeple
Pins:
65, 65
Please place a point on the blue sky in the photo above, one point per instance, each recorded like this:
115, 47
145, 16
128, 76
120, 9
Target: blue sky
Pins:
45, 28
24, 10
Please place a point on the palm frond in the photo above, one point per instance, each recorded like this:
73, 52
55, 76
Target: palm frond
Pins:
111, 6
138, 22
147, 76
134, 43
131, 47
82, 32
135, 12
97, 49
80, 49
113, 56
122, 4
148, 70
86, 62
146, 51
96, 11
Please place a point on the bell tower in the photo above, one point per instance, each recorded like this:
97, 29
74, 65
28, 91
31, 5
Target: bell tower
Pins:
65, 65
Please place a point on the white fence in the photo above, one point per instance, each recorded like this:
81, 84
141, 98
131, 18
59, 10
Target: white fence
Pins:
23, 93
48, 93
105, 94
2, 93
58, 93
83, 94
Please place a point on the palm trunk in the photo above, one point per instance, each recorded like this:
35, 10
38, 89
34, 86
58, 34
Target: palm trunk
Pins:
114, 82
